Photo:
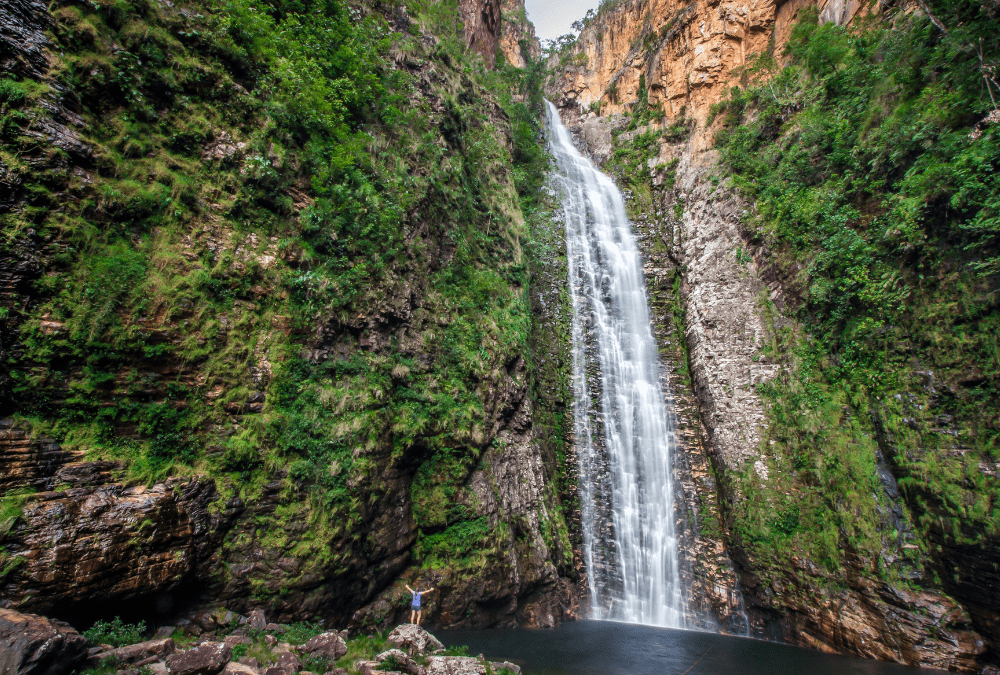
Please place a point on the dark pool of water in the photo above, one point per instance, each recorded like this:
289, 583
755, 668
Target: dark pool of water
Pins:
606, 648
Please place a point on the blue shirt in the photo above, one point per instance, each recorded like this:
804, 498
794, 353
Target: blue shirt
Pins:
416, 599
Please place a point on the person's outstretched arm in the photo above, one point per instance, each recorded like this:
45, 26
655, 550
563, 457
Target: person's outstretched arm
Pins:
408, 588
428, 590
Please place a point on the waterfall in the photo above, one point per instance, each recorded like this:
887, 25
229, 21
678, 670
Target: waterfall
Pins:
624, 447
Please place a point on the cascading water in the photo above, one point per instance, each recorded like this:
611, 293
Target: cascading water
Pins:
626, 486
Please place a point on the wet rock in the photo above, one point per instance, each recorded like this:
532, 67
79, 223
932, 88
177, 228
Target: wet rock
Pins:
206, 659
61, 136
413, 639
22, 37
35, 645
330, 645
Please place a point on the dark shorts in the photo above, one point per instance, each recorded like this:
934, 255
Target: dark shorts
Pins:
415, 608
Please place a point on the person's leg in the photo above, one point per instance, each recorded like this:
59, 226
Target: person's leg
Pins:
413, 614
419, 612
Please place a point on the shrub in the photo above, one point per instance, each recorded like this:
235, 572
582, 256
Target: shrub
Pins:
115, 633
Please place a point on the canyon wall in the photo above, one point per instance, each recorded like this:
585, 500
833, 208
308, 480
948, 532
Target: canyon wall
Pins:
736, 307
271, 354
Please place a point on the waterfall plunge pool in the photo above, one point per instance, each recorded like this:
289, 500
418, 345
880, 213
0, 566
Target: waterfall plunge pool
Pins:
611, 648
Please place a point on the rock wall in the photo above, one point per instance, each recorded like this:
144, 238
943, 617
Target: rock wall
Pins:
731, 301
684, 52
481, 26
517, 37
86, 533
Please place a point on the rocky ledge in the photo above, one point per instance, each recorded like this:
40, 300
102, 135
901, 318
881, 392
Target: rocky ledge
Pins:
232, 645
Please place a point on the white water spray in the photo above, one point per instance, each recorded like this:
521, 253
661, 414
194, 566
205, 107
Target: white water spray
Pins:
626, 484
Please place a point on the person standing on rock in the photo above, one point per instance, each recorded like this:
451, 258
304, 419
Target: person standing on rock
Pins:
415, 605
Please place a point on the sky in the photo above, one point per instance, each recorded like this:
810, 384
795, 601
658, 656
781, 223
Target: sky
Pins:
552, 18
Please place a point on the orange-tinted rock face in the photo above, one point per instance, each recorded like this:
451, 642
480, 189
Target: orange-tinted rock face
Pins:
491, 25
685, 52
481, 26
517, 38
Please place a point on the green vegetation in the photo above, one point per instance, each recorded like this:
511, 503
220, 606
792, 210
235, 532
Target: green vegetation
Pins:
876, 192
284, 258
116, 633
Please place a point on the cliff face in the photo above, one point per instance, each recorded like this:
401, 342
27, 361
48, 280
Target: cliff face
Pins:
263, 342
517, 37
638, 87
685, 53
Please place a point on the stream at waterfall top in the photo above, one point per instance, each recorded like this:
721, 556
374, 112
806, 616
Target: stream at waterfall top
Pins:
611, 648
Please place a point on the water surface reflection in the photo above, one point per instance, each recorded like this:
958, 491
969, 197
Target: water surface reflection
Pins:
608, 648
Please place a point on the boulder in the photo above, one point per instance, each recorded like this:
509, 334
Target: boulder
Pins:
413, 639
142, 651
158, 668
331, 645
401, 661
35, 645
205, 621
206, 659
256, 620
336, 671
233, 640
224, 617
164, 631
250, 661
275, 628
288, 662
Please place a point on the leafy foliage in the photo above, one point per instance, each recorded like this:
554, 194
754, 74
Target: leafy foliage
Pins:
261, 170
878, 202
115, 633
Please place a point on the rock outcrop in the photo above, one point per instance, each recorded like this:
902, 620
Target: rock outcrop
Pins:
413, 639
517, 36
481, 25
35, 645
206, 659
79, 542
